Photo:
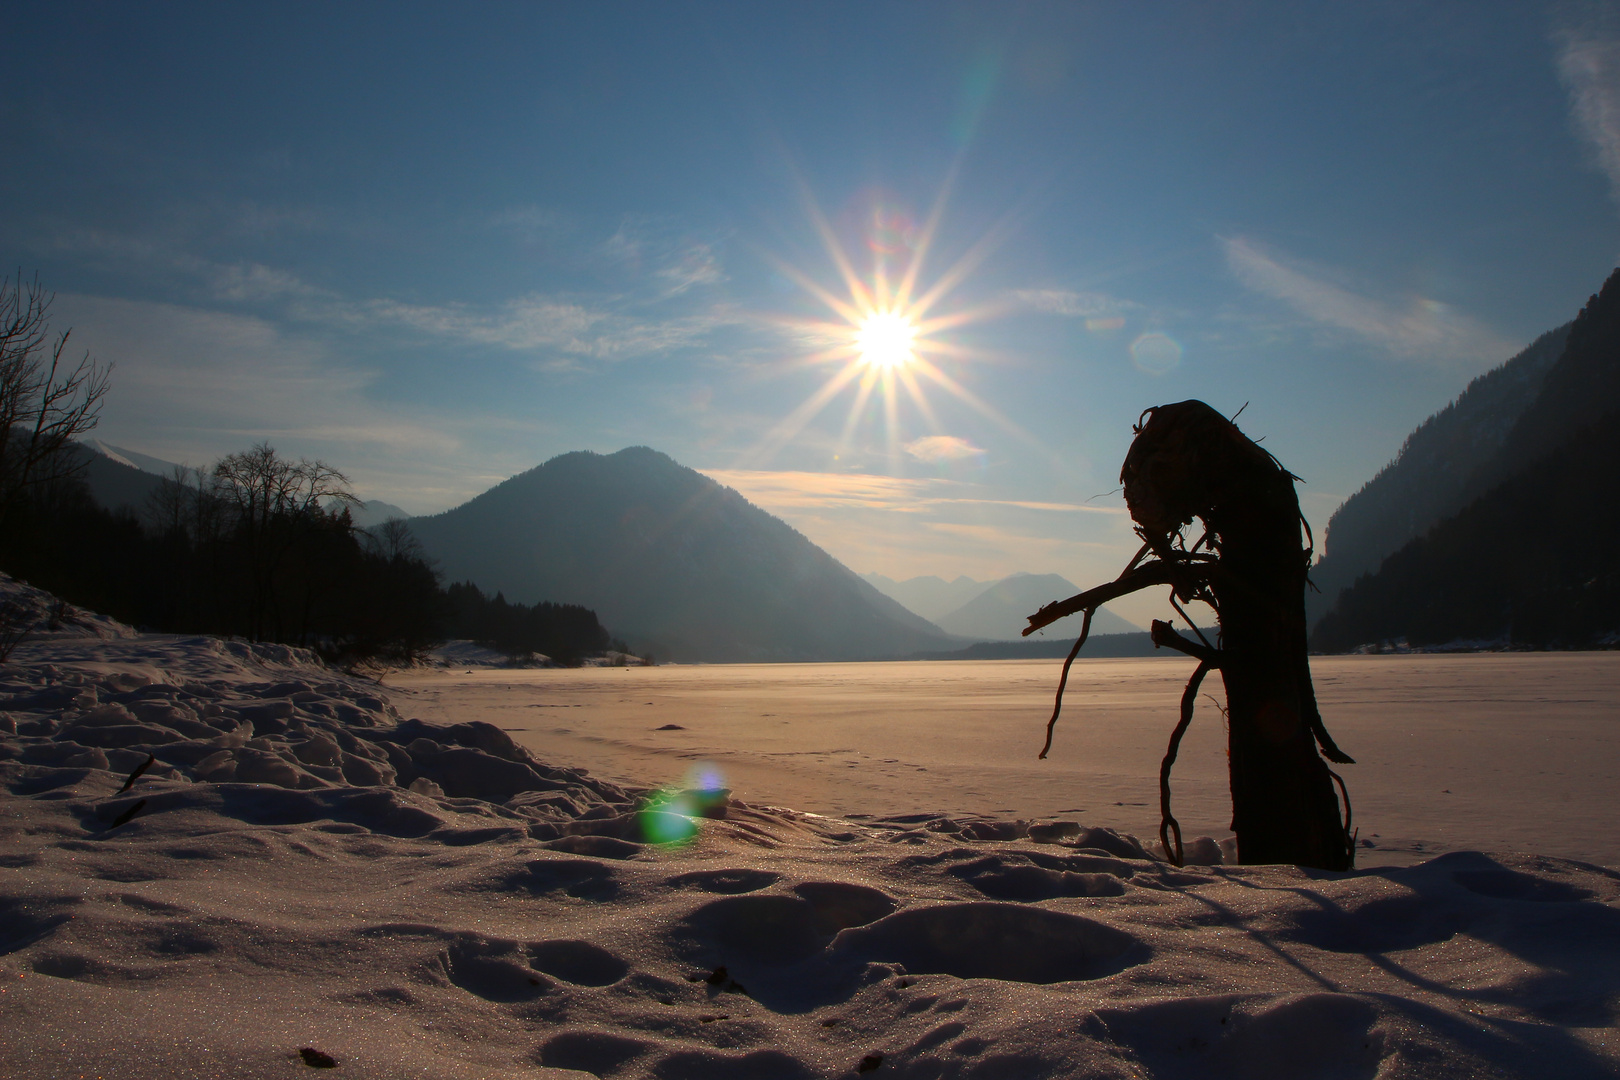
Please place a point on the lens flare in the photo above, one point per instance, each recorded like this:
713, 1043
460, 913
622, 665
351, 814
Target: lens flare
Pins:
669, 816
884, 340
1156, 353
887, 341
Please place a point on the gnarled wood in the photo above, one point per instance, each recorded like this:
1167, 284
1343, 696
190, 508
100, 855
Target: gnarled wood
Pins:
1189, 462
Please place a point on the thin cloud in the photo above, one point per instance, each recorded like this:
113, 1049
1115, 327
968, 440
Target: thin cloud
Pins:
674, 262
191, 385
806, 490
937, 448
235, 376
1423, 330
788, 489
527, 223
568, 328
996, 538
1074, 305
696, 265
1590, 69
536, 323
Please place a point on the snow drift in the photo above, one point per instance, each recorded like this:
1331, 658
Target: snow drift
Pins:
303, 878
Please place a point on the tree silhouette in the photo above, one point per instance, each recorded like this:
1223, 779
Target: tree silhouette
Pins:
1189, 462
46, 400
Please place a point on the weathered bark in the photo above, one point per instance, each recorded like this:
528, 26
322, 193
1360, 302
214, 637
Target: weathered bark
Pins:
1188, 461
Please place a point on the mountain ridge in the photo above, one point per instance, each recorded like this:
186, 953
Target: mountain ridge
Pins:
671, 560
1529, 558
988, 610
1433, 475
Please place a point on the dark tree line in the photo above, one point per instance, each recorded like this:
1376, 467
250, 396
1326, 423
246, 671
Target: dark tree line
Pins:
264, 548
47, 399
258, 546
1531, 563
565, 632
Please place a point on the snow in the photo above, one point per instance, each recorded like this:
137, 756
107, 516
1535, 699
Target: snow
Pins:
309, 875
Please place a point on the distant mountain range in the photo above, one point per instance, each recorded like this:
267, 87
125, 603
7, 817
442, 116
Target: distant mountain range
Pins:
1499, 521
989, 610
681, 567
671, 561
931, 597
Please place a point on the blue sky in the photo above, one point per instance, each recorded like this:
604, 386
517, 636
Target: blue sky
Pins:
438, 245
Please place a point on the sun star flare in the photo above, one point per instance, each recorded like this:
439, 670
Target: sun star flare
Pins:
884, 343
885, 340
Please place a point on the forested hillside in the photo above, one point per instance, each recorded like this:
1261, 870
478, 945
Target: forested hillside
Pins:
1428, 480
1529, 559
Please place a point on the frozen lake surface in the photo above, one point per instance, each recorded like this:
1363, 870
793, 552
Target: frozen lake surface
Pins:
1494, 752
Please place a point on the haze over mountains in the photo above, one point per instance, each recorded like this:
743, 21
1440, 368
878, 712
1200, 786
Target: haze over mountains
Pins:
1499, 519
989, 610
667, 558
1495, 523
670, 560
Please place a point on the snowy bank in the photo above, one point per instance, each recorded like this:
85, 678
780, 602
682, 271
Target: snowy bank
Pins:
303, 878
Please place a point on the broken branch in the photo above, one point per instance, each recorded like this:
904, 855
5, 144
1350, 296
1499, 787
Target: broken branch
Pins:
1135, 579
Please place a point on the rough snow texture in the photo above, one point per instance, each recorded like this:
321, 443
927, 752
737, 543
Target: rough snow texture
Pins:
311, 881
45, 618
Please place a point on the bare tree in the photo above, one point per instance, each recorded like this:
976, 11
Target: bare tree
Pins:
268, 496
394, 541
171, 507
260, 484
46, 399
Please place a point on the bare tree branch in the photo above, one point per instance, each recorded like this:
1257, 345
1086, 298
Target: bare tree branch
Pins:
46, 400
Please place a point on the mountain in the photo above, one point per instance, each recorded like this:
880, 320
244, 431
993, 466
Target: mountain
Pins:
132, 458
374, 512
671, 561
1531, 557
1433, 476
114, 480
932, 597
1000, 612
1530, 563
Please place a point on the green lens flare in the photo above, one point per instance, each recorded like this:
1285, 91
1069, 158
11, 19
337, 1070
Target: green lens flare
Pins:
670, 815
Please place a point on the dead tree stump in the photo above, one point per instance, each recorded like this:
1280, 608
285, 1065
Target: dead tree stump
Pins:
1189, 462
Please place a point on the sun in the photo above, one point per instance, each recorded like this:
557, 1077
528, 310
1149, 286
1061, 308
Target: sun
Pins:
885, 341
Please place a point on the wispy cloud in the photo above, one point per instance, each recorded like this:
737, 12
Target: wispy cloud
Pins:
1423, 329
527, 223
191, 385
788, 489
563, 331
672, 260
1589, 65
536, 323
997, 538
1074, 305
905, 526
937, 448
235, 375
